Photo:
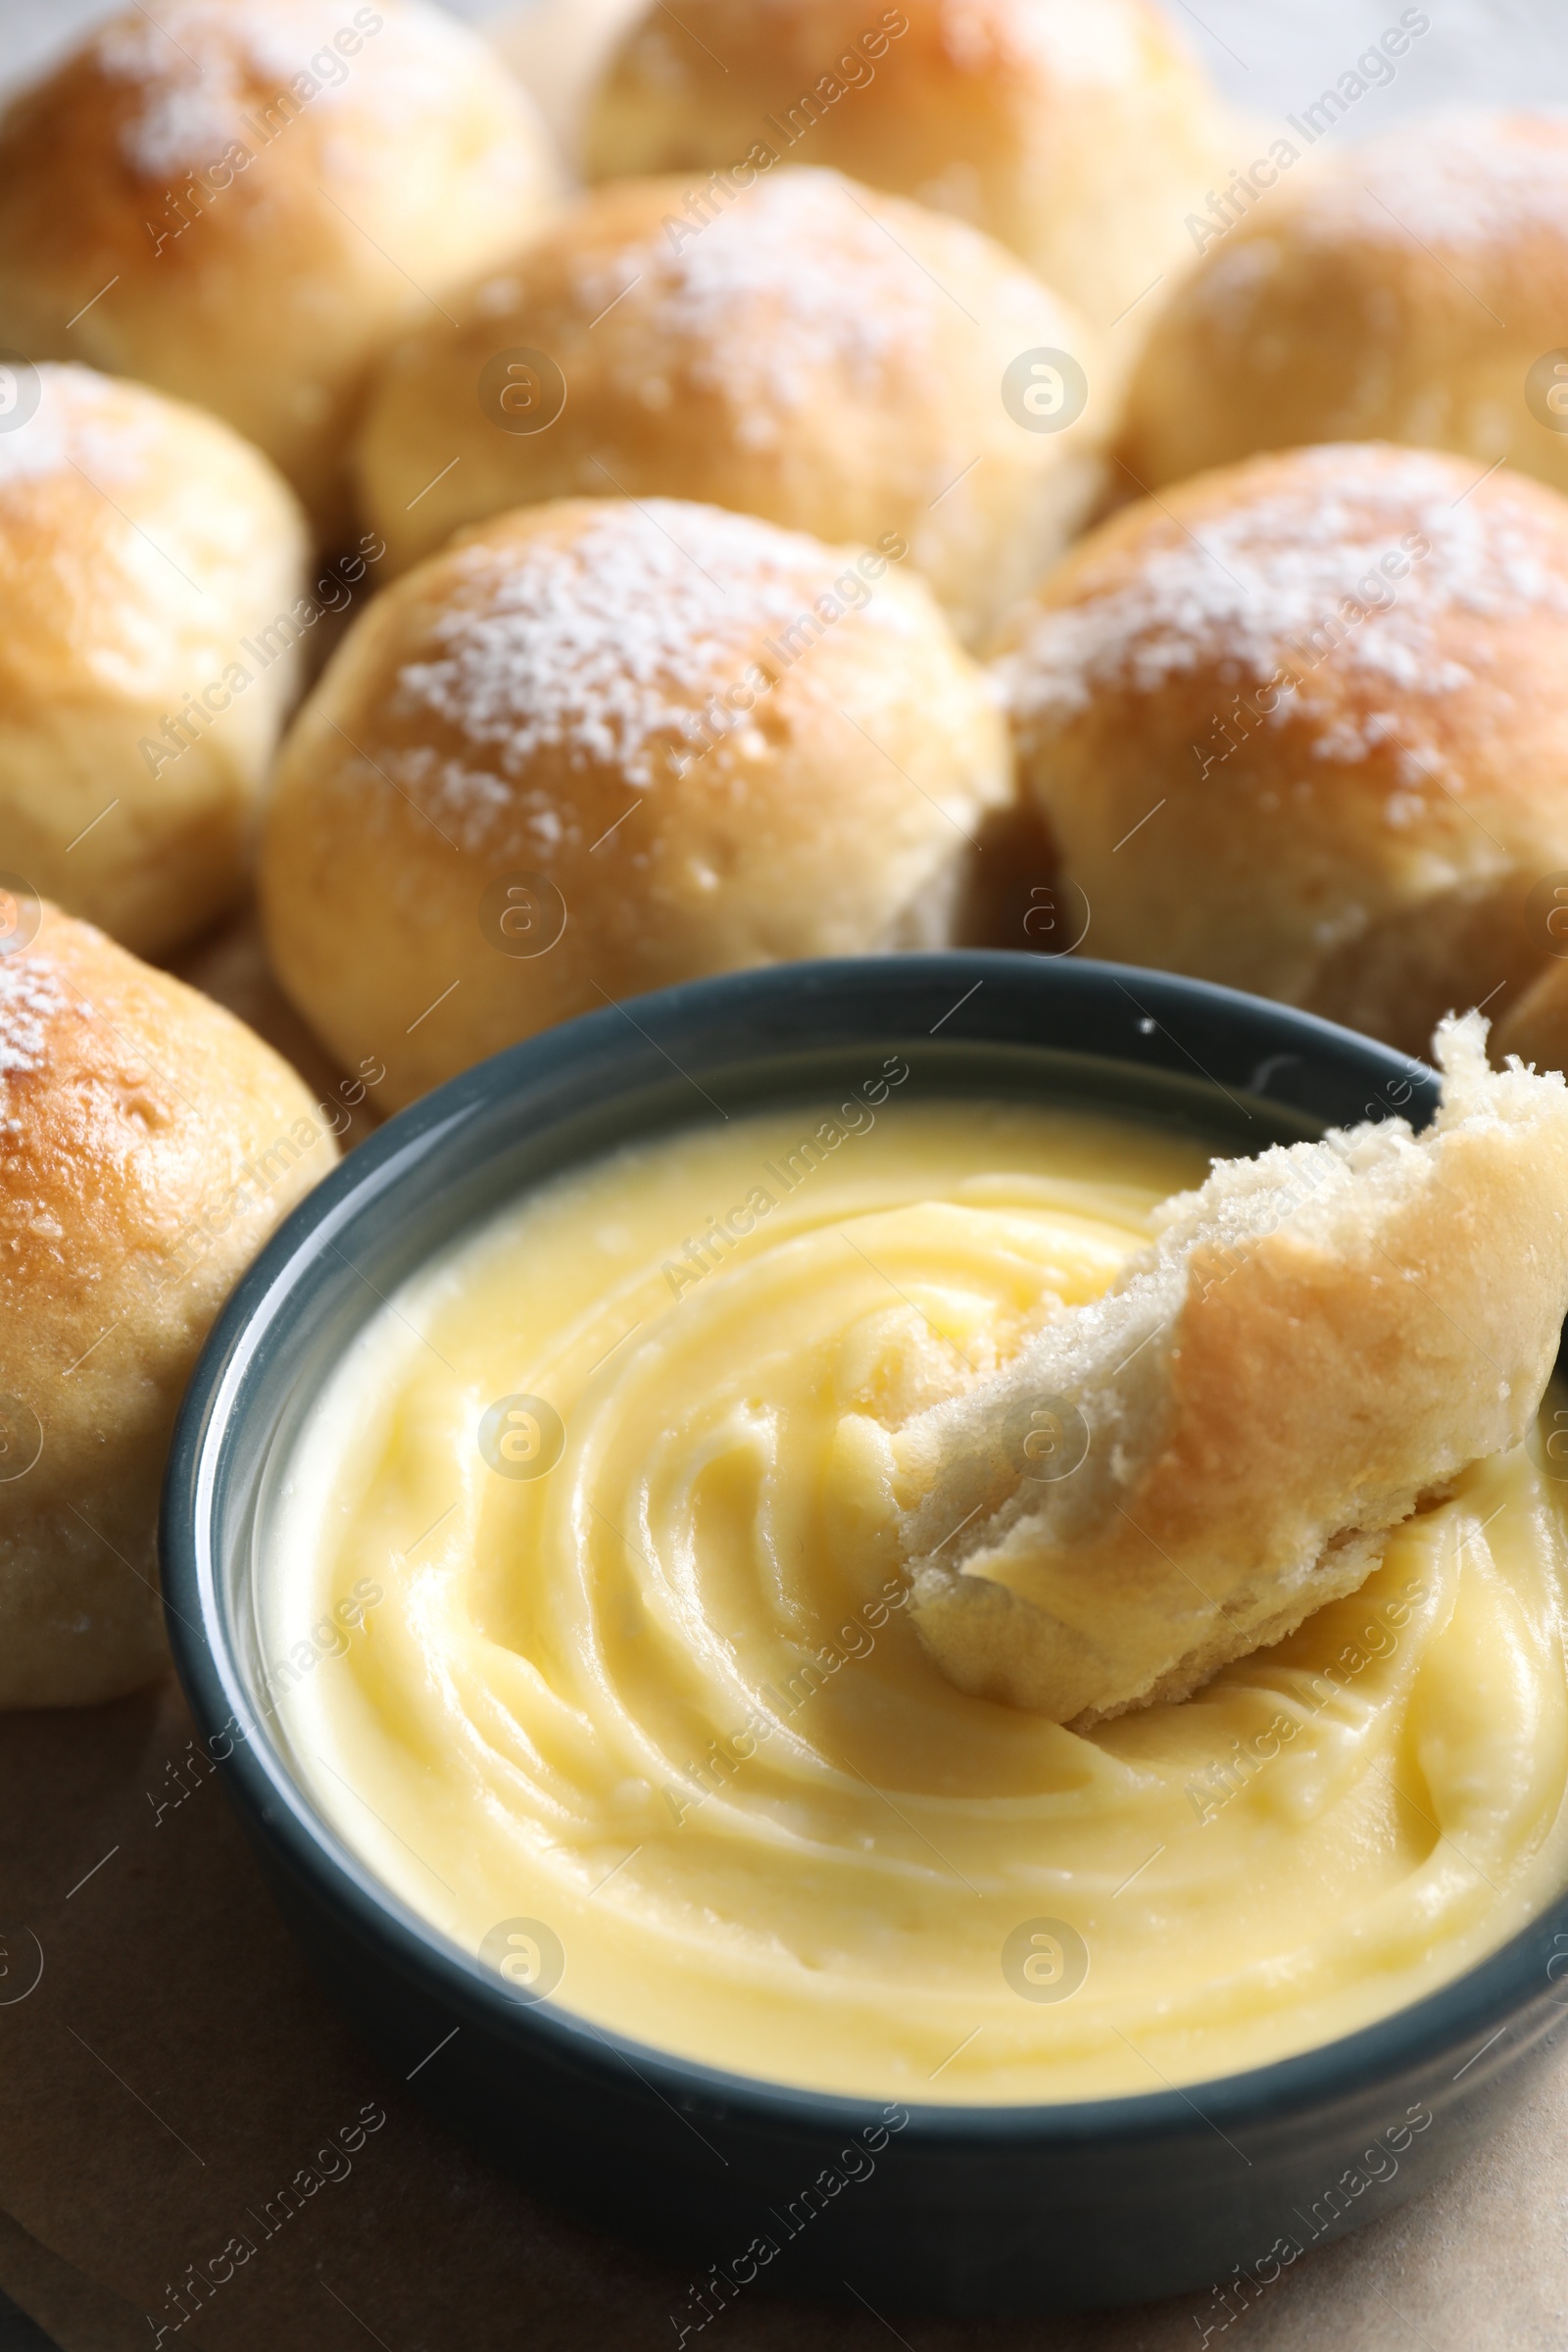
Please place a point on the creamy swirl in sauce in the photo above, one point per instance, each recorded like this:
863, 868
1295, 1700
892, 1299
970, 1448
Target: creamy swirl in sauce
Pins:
583, 1592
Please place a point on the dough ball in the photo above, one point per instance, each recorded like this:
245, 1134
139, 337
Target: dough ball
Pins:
796, 348
150, 567
558, 49
149, 1144
1301, 728
597, 748
245, 201
233, 968
1080, 135
1414, 290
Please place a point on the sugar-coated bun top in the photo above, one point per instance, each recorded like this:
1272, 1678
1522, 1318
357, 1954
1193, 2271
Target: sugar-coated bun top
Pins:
1326, 688
246, 200
1480, 184
1078, 135
1384, 559
692, 741
1412, 290
792, 346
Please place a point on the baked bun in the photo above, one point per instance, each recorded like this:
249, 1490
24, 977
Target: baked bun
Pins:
1319, 1338
596, 748
1080, 136
231, 965
558, 49
1415, 289
150, 562
1300, 726
826, 357
149, 1144
245, 201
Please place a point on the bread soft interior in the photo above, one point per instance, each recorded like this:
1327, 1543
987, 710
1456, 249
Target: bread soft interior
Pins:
1318, 1339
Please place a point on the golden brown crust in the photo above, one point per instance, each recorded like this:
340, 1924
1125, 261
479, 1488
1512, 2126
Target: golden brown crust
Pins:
251, 234
692, 742
1319, 1339
144, 550
1299, 727
1080, 137
148, 1146
798, 348
1405, 292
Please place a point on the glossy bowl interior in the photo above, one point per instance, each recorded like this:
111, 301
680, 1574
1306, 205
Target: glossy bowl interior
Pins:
753, 2187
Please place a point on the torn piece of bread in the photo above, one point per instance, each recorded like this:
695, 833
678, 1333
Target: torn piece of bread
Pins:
1185, 1470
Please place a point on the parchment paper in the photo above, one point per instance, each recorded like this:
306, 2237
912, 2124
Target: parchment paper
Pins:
175, 2065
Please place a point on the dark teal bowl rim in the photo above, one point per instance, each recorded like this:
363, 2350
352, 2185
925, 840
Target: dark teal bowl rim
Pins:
1153, 1026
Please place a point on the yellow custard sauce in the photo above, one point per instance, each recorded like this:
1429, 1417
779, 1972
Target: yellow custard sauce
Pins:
582, 1592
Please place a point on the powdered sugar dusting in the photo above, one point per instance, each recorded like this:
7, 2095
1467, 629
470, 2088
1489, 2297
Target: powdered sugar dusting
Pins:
205, 63
30, 1000
1461, 180
604, 649
1293, 577
192, 72
84, 422
798, 281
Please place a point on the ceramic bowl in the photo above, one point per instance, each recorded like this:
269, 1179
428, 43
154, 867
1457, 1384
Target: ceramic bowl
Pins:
1212, 2189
